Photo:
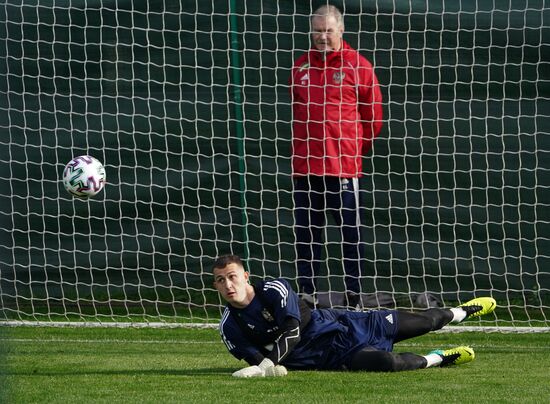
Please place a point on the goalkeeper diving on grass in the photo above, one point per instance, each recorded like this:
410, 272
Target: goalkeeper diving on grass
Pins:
273, 330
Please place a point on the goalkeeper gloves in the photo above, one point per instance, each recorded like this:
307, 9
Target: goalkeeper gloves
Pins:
265, 369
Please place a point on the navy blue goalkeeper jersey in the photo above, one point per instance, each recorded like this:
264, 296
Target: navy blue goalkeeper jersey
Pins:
327, 342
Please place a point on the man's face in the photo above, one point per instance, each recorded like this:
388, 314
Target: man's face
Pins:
232, 283
326, 33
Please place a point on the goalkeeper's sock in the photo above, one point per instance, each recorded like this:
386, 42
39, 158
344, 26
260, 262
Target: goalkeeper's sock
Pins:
433, 359
459, 314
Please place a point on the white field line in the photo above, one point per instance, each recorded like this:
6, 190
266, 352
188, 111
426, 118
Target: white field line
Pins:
99, 324
108, 341
94, 324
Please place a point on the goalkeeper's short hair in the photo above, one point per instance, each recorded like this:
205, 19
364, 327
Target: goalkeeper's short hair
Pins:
224, 260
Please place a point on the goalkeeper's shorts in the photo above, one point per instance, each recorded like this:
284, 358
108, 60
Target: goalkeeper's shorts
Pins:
333, 336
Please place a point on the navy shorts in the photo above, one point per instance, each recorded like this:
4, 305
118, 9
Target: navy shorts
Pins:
333, 336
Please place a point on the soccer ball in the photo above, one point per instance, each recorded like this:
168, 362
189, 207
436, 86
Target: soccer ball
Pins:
84, 177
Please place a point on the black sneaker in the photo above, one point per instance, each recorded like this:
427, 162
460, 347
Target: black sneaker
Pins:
353, 300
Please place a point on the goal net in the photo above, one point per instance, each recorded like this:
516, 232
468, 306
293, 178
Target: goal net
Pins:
186, 103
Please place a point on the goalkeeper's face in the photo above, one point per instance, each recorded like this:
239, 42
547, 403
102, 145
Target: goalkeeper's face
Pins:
232, 283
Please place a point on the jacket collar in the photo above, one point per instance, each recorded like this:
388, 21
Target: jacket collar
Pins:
320, 56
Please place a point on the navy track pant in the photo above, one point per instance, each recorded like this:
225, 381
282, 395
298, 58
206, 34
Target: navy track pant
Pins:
314, 199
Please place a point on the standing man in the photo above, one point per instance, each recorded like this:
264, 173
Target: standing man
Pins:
337, 112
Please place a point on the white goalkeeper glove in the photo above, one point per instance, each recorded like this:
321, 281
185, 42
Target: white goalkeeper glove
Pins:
265, 369
251, 371
277, 370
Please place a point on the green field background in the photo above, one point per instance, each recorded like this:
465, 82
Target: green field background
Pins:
198, 163
86, 365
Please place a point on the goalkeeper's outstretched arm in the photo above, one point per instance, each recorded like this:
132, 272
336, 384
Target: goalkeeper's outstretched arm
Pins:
287, 340
289, 336
270, 365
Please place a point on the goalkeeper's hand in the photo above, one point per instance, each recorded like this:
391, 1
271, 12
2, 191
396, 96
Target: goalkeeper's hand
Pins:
265, 369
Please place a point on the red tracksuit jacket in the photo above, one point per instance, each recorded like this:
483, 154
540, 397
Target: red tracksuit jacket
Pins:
337, 112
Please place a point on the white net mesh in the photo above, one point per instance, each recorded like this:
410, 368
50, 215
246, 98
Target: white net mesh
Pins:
186, 104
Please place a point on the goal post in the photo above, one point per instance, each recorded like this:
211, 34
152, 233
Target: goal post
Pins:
186, 104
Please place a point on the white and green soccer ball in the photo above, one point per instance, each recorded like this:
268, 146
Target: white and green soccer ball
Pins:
84, 177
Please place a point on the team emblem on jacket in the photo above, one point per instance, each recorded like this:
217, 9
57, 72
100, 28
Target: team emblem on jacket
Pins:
345, 184
267, 315
338, 77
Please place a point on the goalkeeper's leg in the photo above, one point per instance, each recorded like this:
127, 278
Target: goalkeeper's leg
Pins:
372, 360
412, 325
419, 323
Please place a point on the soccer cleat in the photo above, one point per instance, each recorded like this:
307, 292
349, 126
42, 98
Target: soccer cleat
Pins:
455, 356
479, 306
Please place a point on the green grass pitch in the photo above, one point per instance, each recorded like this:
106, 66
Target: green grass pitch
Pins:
112, 365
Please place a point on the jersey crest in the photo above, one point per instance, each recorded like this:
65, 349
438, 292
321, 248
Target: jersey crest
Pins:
267, 315
338, 77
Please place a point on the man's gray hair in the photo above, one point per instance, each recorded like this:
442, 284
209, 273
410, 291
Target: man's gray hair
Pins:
329, 10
